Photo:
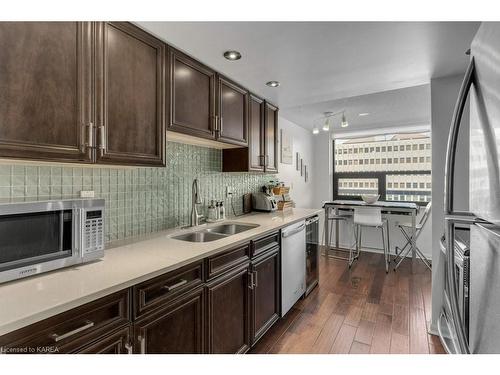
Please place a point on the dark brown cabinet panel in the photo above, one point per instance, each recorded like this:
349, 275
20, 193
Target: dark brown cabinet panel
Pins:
271, 138
265, 292
45, 78
116, 343
130, 96
232, 113
228, 312
192, 96
261, 155
256, 151
178, 328
74, 329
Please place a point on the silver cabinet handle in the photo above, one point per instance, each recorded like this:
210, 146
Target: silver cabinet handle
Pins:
256, 279
293, 231
88, 324
128, 346
142, 341
102, 138
250, 284
90, 134
175, 286
451, 149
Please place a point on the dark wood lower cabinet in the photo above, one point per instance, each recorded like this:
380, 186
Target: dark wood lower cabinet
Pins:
228, 312
221, 304
116, 343
265, 293
176, 328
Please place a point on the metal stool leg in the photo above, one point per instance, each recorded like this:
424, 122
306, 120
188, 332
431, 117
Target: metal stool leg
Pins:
385, 248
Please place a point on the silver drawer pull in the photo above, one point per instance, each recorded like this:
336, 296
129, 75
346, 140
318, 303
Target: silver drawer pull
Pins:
129, 348
57, 338
175, 286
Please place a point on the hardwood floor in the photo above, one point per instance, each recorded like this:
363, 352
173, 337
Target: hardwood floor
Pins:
358, 311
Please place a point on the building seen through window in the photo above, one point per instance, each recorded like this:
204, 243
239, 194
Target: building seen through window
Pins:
397, 166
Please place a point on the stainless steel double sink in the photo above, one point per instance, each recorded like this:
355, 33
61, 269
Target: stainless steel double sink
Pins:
215, 233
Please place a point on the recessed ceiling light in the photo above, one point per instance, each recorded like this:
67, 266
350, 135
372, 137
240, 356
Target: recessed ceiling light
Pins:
363, 114
273, 83
232, 55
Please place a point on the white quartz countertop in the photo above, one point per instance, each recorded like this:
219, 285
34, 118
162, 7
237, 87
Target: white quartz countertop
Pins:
30, 300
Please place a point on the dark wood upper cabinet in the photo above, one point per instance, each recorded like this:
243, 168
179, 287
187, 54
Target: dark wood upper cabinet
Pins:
228, 312
271, 138
232, 113
130, 95
256, 150
45, 78
265, 293
192, 96
177, 328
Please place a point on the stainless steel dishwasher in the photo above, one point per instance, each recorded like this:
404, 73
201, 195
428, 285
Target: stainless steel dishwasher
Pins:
293, 265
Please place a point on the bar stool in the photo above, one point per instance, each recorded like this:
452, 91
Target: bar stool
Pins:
406, 231
332, 219
370, 217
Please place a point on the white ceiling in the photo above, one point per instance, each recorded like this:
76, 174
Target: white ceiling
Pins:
402, 107
318, 62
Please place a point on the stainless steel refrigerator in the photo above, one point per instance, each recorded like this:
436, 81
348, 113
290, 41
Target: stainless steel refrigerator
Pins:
479, 332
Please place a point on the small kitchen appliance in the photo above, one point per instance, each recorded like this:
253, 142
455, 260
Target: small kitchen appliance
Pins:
37, 237
264, 202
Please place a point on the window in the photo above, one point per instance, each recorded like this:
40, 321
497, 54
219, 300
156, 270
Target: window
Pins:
402, 177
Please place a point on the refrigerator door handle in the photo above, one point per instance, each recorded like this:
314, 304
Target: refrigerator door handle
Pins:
451, 149
451, 282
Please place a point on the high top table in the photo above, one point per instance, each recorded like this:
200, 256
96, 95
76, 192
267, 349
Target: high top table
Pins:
395, 208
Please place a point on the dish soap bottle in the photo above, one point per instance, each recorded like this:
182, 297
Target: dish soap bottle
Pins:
217, 212
222, 211
212, 215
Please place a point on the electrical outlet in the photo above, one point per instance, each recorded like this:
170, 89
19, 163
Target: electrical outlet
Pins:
229, 191
86, 193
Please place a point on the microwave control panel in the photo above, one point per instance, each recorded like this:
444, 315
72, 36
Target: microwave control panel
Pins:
93, 231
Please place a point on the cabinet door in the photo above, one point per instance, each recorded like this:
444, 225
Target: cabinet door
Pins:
265, 293
256, 134
45, 72
192, 97
233, 113
130, 90
116, 343
271, 138
228, 313
176, 328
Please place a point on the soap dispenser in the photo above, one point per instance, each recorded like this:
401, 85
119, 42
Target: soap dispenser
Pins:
222, 211
212, 214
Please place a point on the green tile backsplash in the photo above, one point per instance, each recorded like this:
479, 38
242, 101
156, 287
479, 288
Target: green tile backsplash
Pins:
138, 200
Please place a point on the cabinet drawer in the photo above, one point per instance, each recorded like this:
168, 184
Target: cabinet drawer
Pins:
73, 329
116, 343
153, 293
263, 244
220, 263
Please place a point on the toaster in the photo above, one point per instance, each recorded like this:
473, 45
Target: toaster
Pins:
264, 202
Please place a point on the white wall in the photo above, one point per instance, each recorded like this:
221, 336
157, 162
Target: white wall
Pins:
301, 191
444, 92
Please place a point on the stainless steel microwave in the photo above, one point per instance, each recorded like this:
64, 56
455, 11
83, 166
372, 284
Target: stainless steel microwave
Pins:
37, 237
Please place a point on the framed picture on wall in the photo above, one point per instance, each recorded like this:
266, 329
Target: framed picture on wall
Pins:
305, 173
301, 167
297, 161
